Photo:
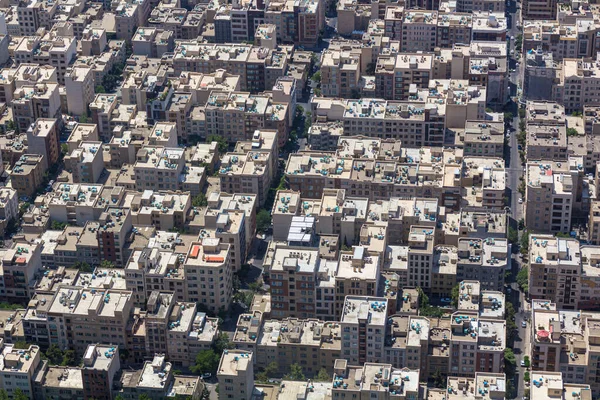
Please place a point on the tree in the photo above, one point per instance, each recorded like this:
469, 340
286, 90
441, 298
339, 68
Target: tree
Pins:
58, 226
70, 358
55, 354
526, 376
510, 361
454, 295
296, 373
64, 149
438, 379
523, 279
317, 77
572, 132
527, 361
83, 119
513, 236
3, 395
206, 361
82, 266
525, 242
19, 395
200, 200
22, 345
107, 264
10, 125
270, 371
263, 220
323, 376
99, 89
221, 142
222, 343
508, 116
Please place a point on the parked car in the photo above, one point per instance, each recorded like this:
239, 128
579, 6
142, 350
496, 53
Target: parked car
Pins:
524, 324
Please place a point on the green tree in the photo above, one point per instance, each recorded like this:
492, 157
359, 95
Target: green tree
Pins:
263, 220
83, 266
222, 343
527, 361
70, 358
19, 395
55, 354
323, 376
107, 264
438, 379
221, 142
64, 149
525, 242
99, 89
317, 77
513, 236
526, 376
523, 278
572, 132
510, 361
508, 116
143, 396
22, 345
296, 373
206, 361
454, 295
10, 125
200, 200
269, 372
3, 395
58, 226
83, 119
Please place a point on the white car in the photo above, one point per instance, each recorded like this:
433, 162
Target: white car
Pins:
520, 200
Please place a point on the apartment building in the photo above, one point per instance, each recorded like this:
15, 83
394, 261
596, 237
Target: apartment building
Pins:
42, 139
79, 85
33, 15
594, 223
76, 204
158, 168
579, 84
554, 271
311, 343
86, 163
324, 136
189, 332
163, 210
483, 260
482, 139
293, 277
21, 264
477, 344
252, 166
114, 226
488, 303
373, 381
548, 385
101, 110
457, 28
542, 76
70, 325
236, 375
340, 73
9, 206
31, 102
363, 327
469, 388
356, 274
550, 195
209, 274
157, 380
18, 369
562, 39
93, 41
27, 174
399, 76
236, 116
419, 30
539, 9
257, 67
